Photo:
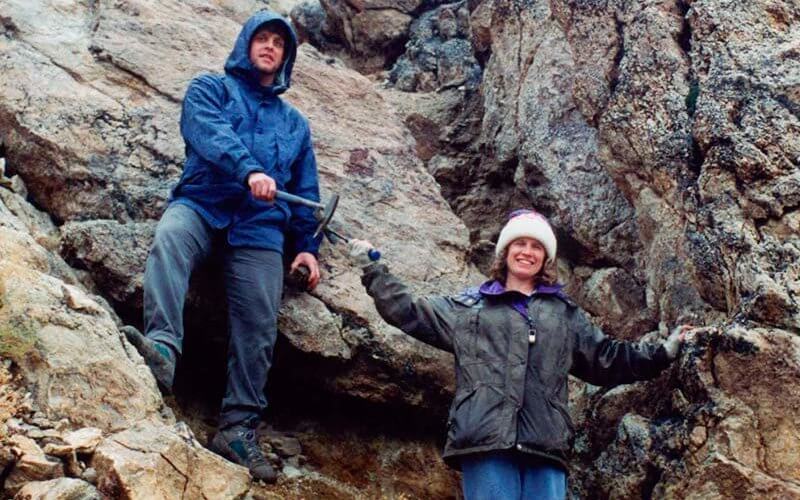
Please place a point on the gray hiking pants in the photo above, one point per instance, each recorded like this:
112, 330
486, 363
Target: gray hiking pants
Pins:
253, 284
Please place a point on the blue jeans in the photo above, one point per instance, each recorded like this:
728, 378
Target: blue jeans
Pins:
253, 284
506, 475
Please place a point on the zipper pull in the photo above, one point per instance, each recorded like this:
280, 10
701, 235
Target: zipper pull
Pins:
531, 331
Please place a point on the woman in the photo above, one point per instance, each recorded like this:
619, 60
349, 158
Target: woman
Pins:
515, 340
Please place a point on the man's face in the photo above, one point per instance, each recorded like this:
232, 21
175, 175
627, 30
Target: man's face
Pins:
266, 51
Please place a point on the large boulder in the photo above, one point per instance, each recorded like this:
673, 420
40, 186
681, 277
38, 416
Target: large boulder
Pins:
147, 461
373, 31
720, 425
64, 341
637, 128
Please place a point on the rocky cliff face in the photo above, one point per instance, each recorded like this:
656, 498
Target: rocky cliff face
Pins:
660, 137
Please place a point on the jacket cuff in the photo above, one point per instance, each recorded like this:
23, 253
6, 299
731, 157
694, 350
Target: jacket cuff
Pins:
246, 173
308, 244
662, 358
371, 271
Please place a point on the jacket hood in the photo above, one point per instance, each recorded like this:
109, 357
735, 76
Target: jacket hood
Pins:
238, 63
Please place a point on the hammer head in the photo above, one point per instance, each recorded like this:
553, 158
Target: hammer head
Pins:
324, 215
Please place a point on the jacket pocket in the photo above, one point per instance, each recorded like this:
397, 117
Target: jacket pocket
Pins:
553, 428
475, 418
232, 113
562, 410
288, 150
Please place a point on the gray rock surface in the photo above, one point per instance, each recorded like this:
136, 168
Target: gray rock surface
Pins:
65, 341
647, 132
439, 53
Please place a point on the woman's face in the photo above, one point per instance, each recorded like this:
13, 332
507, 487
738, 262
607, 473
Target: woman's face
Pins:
526, 257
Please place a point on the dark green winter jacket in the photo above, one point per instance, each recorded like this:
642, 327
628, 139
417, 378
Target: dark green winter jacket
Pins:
511, 393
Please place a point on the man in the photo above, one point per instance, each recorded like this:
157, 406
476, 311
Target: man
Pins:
242, 144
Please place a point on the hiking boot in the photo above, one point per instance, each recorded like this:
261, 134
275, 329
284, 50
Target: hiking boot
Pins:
159, 357
239, 445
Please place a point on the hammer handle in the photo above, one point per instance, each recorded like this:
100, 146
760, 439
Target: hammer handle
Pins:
288, 197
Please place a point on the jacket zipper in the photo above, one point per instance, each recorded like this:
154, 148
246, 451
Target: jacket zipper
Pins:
531, 340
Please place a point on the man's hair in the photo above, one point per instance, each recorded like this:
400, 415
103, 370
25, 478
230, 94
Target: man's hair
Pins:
547, 275
278, 27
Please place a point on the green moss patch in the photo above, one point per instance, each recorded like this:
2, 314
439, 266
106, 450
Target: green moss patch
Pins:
18, 339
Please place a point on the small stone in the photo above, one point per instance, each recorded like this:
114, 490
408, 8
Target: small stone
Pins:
286, 446
77, 300
62, 425
58, 450
89, 475
14, 425
291, 472
84, 440
698, 436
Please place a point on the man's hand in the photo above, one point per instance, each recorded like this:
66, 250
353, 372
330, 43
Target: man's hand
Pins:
308, 260
262, 186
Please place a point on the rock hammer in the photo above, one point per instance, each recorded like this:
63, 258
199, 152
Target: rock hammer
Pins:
324, 214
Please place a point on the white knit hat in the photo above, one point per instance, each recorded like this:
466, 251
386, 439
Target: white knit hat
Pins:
529, 224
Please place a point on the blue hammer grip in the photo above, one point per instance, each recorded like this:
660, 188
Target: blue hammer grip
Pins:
374, 255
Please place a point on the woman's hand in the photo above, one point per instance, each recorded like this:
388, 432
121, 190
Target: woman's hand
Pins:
359, 252
673, 343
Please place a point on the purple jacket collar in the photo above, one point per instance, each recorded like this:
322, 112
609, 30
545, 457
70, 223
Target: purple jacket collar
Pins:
519, 301
494, 288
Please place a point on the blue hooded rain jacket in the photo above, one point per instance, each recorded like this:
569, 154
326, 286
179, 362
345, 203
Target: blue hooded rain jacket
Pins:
232, 127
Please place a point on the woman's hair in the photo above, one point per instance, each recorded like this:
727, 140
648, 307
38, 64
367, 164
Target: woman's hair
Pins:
547, 275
